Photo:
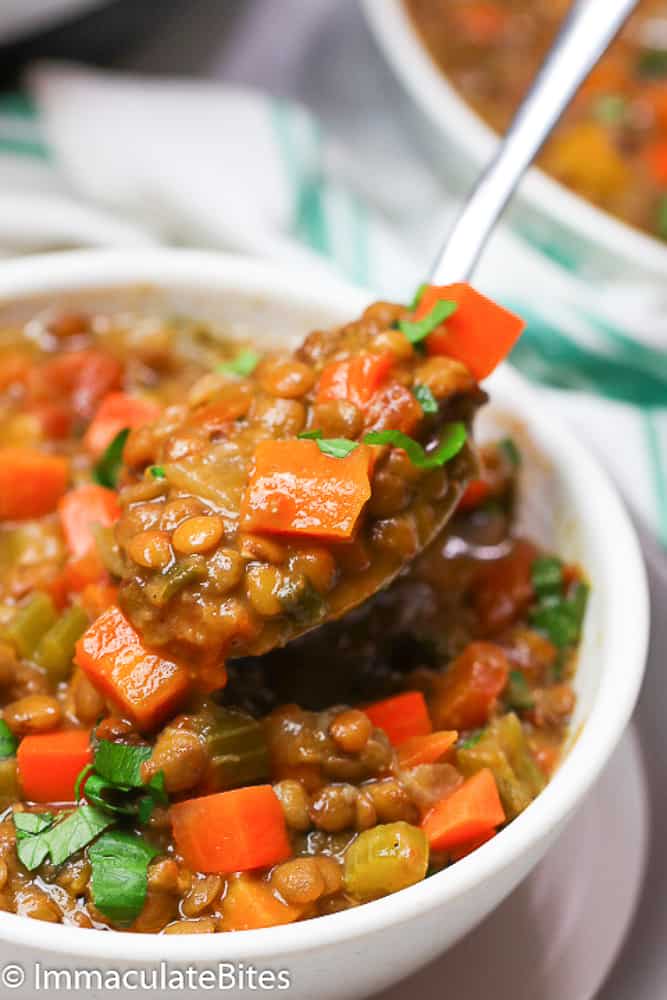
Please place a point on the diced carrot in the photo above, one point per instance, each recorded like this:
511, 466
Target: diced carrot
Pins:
49, 764
655, 156
14, 367
456, 853
479, 334
97, 597
470, 812
233, 831
116, 412
426, 749
295, 489
81, 377
657, 99
143, 684
402, 717
355, 379
83, 507
393, 408
475, 494
55, 419
31, 483
465, 695
250, 903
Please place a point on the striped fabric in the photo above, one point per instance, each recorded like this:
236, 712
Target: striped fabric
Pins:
611, 386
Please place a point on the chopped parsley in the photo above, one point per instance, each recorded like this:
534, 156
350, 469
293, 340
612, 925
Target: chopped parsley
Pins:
119, 881
610, 109
418, 330
107, 470
561, 618
471, 740
416, 298
114, 782
451, 441
156, 472
333, 447
39, 835
652, 63
661, 221
243, 364
425, 398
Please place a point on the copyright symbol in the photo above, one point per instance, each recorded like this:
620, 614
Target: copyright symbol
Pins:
12, 977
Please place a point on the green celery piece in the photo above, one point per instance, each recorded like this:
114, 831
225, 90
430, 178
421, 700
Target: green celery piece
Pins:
30, 623
163, 587
518, 694
8, 742
503, 748
237, 750
385, 859
55, 651
9, 783
661, 220
119, 882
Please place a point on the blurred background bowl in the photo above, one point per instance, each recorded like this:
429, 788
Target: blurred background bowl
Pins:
571, 232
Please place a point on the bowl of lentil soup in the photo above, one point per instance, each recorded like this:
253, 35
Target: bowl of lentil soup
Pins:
597, 214
331, 788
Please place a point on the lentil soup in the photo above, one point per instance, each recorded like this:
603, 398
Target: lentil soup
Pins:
167, 762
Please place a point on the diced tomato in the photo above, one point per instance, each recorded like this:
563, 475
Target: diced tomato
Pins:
116, 412
79, 509
465, 695
403, 717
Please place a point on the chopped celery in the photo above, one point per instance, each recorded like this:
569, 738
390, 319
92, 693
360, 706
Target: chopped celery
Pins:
9, 785
547, 576
385, 859
30, 623
162, 588
236, 747
518, 694
56, 647
503, 748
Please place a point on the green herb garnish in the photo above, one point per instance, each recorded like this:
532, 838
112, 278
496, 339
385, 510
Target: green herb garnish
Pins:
156, 472
119, 882
610, 109
243, 364
652, 63
107, 470
452, 440
425, 398
37, 839
334, 447
418, 330
114, 783
562, 618
8, 742
416, 298
518, 694
547, 576
512, 453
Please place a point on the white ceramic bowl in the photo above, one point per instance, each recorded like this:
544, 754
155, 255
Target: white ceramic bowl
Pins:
358, 952
571, 231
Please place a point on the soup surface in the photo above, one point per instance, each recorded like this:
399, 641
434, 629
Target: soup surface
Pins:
611, 145
147, 784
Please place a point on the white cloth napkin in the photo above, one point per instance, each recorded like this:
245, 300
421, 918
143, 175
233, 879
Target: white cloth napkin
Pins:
102, 159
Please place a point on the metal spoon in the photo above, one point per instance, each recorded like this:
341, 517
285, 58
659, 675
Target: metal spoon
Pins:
586, 34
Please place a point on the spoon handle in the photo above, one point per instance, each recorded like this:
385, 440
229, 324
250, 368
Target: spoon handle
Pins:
585, 35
